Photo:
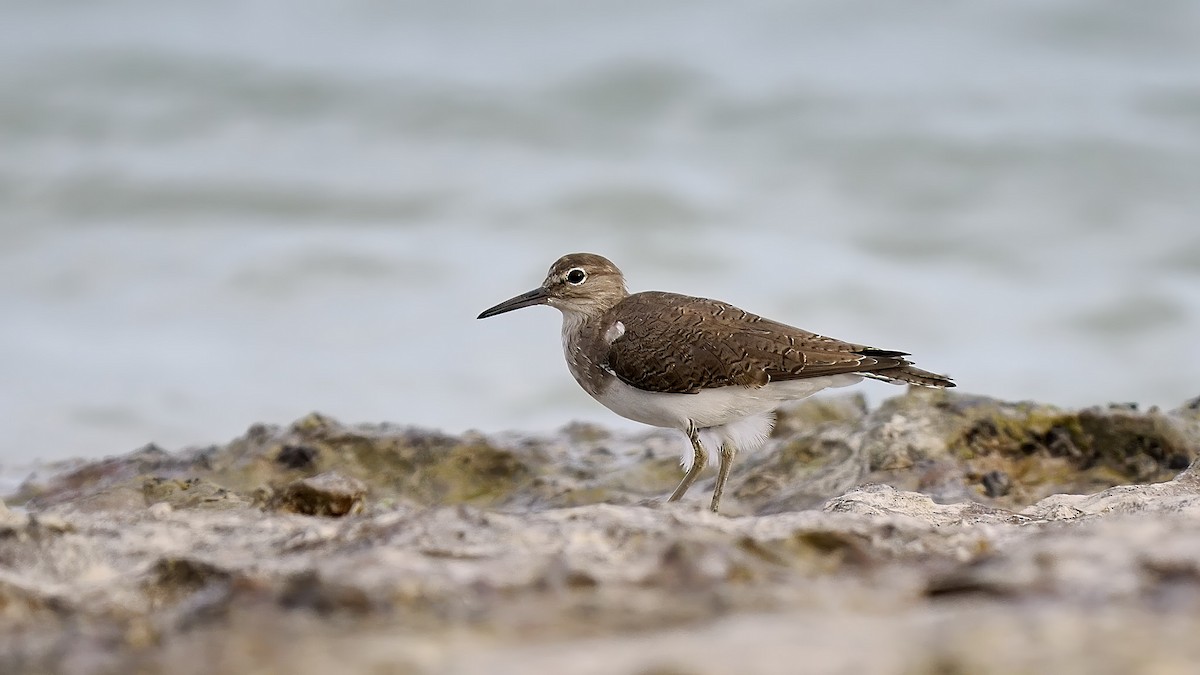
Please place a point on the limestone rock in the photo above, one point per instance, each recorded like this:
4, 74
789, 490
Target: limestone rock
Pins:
937, 533
326, 494
190, 493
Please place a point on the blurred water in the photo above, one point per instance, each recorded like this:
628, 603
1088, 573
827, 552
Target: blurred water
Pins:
219, 213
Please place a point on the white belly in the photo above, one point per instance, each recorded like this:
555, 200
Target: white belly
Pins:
711, 407
737, 415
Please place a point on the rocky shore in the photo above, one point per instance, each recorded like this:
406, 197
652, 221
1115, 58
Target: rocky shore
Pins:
937, 533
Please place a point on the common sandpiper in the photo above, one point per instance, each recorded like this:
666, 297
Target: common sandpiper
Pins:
701, 366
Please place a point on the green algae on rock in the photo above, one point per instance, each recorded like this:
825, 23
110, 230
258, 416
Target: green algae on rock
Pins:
398, 463
973, 443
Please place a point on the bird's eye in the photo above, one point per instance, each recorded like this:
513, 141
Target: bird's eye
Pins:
576, 276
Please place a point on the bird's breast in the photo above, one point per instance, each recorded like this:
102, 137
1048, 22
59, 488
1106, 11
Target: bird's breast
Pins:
585, 348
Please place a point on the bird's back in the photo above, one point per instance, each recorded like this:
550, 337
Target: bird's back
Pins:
683, 344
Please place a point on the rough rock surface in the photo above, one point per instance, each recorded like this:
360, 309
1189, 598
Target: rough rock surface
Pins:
937, 533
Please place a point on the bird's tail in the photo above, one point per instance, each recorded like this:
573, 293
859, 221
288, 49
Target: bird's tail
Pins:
908, 374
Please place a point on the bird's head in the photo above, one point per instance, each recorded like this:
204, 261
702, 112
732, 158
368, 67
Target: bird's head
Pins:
578, 283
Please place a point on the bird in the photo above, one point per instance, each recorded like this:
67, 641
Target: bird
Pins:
705, 367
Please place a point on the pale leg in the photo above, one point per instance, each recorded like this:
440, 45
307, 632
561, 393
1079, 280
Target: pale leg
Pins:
728, 452
698, 462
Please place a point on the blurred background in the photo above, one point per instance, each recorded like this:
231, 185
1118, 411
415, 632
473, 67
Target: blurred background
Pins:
221, 213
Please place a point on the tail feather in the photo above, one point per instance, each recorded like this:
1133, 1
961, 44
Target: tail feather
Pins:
909, 374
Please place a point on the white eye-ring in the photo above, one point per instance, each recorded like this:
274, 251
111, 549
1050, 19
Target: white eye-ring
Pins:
576, 276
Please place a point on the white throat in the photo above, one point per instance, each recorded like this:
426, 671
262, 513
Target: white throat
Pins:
571, 323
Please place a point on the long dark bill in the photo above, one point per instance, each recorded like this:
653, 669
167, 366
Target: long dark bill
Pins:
535, 297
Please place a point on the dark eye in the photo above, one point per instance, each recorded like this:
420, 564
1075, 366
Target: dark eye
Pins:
576, 276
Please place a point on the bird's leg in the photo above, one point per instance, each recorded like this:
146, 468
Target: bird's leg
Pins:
698, 462
728, 452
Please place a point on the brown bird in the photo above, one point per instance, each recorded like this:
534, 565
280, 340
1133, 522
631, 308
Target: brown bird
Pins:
701, 366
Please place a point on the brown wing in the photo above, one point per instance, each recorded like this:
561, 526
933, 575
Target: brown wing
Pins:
680, 344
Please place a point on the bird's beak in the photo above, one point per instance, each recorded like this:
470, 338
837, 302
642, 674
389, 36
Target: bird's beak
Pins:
537, 296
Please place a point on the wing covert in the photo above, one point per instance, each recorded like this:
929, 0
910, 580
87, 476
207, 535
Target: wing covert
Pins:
680, 344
